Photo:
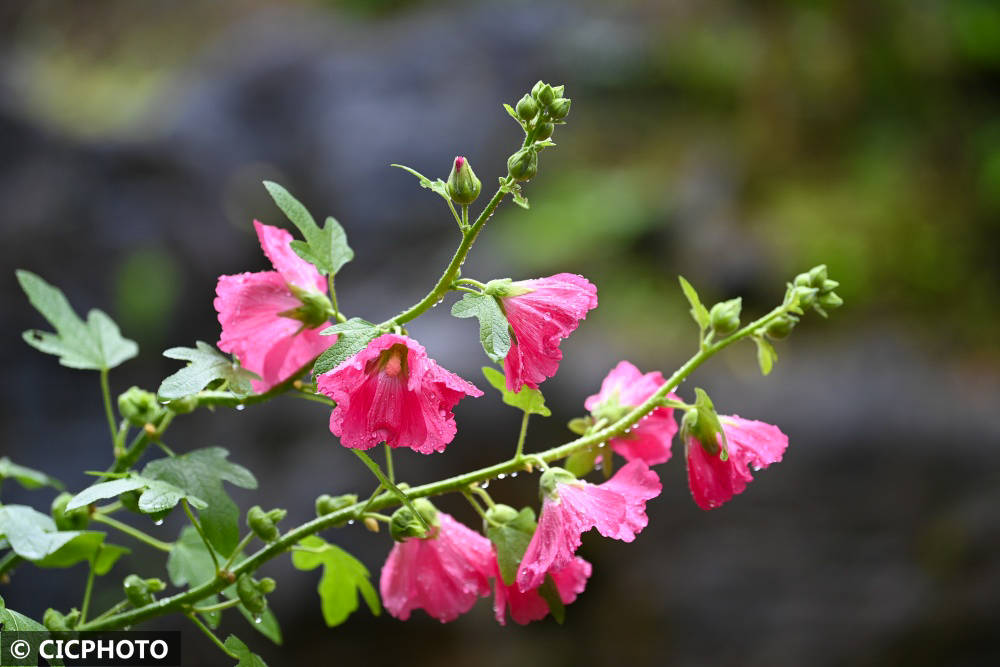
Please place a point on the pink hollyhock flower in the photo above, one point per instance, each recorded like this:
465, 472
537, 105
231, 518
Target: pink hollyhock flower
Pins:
541, 313
571, 507
442, 574
751, 443
392, 392
624, 388
257, 313
529, 605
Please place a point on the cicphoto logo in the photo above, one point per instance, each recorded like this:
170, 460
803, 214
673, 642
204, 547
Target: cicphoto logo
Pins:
99, 649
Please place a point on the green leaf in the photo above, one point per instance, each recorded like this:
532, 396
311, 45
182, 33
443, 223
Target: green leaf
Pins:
325, 247
766, 354
27, 477
12, 621
350, 341
96, 344
245, 656
107, 556
550, 593
200, 473
343, 578
33, 536
511, 540
581, 463
698, 311
513, 114
514, 189
207, 365
437, 186
158, 495
529, 400
494, 331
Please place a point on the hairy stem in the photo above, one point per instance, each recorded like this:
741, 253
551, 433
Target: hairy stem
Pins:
106, 396
134, 532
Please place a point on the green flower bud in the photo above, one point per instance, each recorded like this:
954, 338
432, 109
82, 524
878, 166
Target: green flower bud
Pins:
139, 407
803, 280
137, 590
553, 477
537, 88
830, 300
463, 187
527, 108
782, 326
817, 275
701, 424
828, 286
725, 316
501, 514
405, 524
263, 523
559, 90
251, 595
546, 95
523, 165
326, 504
267, 585
55, 621
72, 520
559, 108
544, 131
806, 296
182, 406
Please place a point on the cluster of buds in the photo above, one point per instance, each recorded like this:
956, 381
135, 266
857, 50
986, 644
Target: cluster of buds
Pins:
812, 289
139, 592
253, 592
538, 112
264, 524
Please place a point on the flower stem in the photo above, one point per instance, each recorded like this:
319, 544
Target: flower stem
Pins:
216, 607
236, 552
134, 532
85, 605
106, 396
197, 526
211, 635
519, 453
388, 484
388, 463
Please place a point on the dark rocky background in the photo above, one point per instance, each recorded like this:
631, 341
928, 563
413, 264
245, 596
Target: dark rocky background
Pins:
736, 144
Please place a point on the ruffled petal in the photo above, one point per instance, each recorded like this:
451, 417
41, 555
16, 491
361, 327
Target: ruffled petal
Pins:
295, 270
529, 606
553, 545
636, 483
650, 440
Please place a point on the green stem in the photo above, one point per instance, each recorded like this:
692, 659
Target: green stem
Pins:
318, 398
451, 484
85, 605
106, 395
236, 552
333, 298
390, 485
475, 506
216, 607
388, 463
451, 206
519, 453
211, 635
197, 526
134, 532
116, 608
444, 283
484, 494
470, 281
465, 216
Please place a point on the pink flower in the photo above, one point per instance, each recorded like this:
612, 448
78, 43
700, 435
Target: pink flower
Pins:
541, 313
571, 507
442, 574
392, 392
624, 388
530, 606
751, 443
254, 311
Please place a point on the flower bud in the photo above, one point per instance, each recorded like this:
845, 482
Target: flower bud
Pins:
501, 514
523, 165
817, 275
544, 131
72, 520
55, 621
537, 88
559, 108
182, 406
559, 90
580, 425
263, 523
553, 477
830, 300
546, 95
251, 593
327, 504
828, 286
463, 187
725, 316
139, 591
139, 407
405, 524
527, 108
780, 327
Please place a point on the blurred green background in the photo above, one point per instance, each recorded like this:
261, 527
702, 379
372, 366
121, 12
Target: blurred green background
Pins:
734, 143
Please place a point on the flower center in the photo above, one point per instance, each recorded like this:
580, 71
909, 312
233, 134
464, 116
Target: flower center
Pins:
392, 362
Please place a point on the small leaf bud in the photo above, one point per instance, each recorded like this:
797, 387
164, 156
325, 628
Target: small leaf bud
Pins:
527, 108
55, 621
463, 186
523, 165
501, 514
267, 585
725, 316
559, 108
72, 520
182, 406
139, 407
580, 425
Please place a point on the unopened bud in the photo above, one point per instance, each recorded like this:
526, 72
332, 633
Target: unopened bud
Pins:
559, 90
830, 300
263, 523
817, 275
537, 88
326, 504
544, 131
139, 407
725, 316
137, 591
501, 514
405, 524
73, 519
546, 95
182, 406
463, 186
55, 621
371, 523
523, 165
527, 108
782, 326
267, 585
559, 108
829, 286
251, 595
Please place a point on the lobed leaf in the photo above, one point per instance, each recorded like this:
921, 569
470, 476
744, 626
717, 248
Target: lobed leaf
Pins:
325, 247
698, 311
206, 366
344, 577
511, 541
350, 340
528, 400
494, 330
243, 654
